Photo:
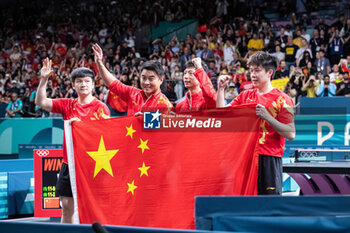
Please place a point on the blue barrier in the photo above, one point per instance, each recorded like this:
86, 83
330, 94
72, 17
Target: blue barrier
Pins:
16, 187
29, 227
20, 193
274, 214
3, 195
325, 105
15, 165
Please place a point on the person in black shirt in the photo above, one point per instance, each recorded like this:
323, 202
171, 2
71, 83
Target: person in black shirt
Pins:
282, 72
282, 37
315, 42
343, 88
290, 52
340, 22
321, 25
306, 58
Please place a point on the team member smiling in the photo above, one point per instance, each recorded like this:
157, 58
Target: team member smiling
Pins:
149, 98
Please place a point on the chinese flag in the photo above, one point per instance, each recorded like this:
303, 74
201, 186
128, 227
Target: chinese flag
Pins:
127, 175
51, 203
117, 103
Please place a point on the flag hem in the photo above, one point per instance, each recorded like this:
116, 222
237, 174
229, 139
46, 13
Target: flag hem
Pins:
71, 166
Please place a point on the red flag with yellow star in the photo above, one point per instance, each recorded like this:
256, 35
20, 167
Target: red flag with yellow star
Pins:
117, 103
127, 175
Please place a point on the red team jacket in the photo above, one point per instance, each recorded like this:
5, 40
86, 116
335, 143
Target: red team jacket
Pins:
70, 108
137, 101
280, 106
204, 99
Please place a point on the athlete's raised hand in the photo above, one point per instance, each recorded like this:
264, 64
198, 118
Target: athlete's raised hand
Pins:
98, 53
197, 61
46, 71
223, 81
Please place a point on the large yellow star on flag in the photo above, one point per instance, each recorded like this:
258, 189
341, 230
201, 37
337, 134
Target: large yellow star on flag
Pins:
143, 169
132, 187
143, 145
130, 131
102, 158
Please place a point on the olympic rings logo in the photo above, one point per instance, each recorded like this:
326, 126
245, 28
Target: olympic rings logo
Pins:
42, 153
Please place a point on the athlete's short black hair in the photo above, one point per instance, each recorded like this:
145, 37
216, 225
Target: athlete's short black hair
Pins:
153, 66
82, 72
264, 59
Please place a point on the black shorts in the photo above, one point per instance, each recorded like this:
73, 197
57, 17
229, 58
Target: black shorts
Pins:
270, 175
63, 187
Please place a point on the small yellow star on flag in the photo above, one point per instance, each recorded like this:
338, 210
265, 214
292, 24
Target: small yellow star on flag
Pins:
130, 131
102, 158
132, 187
143, 146
143, 169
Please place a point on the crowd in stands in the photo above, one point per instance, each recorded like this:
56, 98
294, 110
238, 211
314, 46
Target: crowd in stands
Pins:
313, 55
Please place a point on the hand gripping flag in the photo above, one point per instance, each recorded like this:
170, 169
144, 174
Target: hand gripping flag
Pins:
123, 174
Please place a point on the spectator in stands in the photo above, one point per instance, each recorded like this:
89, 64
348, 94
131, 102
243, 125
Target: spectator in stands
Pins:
255, 44
212, 71
322, 63
306, 59
295, 83
280, 55
14, 88
300, 53
334, 75
321, 25
228, 50
326, 89
227, 33
319, 78
247, 84
284, 8
290, 52
310, 69
309, 86
343, 87
185, 58
345, 33
282, 72
345, 64
236, 57
315, 42
230, 92
340, 22
304, 34
336, 46
282, 37
288, 31
297, 37
237, 73
207, 55
16, 54
324, 40
176, 75
14, 108
291, 92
